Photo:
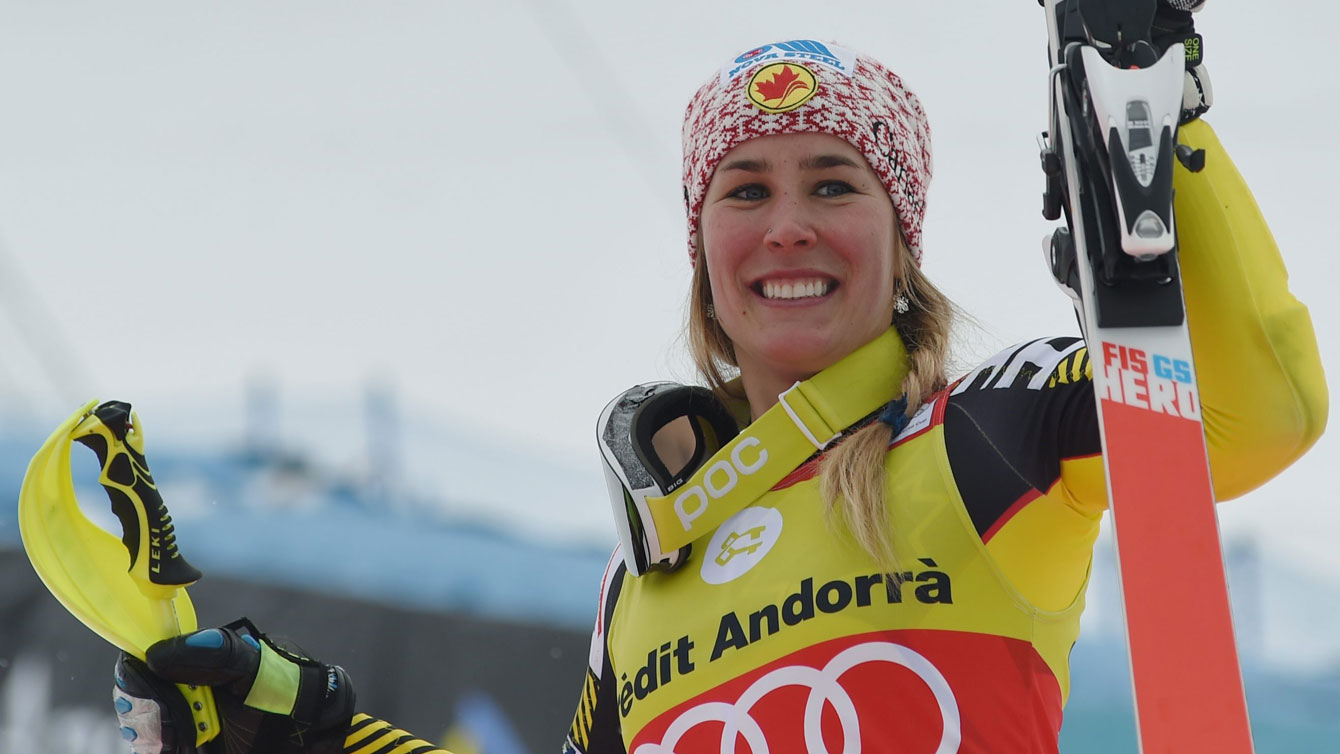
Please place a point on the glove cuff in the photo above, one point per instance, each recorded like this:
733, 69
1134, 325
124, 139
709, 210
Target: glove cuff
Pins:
318, 698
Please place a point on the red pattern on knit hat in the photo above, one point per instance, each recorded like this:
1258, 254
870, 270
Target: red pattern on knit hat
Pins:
866, 104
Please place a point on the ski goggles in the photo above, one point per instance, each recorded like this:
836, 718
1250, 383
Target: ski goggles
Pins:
677, 467
652, 438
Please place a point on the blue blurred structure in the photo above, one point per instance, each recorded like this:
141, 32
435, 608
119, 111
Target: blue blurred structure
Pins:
276, 519
486, 725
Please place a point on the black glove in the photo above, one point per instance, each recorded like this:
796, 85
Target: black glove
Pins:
1173, 24
271, 699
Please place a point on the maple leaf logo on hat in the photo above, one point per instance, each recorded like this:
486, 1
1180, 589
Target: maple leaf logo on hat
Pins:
780, 87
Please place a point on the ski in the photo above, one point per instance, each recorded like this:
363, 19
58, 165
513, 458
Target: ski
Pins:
1109, 157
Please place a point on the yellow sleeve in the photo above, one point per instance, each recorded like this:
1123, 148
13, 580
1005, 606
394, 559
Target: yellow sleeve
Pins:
1263, 392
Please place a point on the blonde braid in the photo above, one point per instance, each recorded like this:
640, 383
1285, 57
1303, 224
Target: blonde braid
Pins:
853, 473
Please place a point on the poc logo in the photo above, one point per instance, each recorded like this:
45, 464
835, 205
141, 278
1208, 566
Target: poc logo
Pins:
721, 478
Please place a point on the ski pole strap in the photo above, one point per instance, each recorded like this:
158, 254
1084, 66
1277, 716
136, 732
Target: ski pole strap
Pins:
807, 418
277, 681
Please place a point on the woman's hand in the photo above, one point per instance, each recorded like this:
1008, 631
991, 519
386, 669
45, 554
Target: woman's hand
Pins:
270, 698
1172, 24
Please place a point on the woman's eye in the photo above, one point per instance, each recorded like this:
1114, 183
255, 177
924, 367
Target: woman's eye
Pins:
833, 188
750, 192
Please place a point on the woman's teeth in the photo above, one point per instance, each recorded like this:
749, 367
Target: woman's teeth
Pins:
794, 289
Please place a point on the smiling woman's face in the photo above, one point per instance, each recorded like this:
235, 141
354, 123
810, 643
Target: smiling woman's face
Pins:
799, 239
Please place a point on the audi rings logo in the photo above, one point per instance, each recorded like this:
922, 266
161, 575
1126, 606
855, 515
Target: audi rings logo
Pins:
825, 689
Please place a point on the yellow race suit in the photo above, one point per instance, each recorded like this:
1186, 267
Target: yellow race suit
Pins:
780, 634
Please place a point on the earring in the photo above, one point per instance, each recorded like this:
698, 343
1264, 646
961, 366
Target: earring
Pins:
900, 304
711, 312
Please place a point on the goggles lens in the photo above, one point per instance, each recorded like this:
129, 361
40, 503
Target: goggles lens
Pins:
653, 438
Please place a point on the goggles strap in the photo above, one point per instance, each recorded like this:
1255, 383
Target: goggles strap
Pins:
809, 416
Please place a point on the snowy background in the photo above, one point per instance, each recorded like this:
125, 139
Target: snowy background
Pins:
472, 214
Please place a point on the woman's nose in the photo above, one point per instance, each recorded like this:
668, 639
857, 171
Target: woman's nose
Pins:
789, 228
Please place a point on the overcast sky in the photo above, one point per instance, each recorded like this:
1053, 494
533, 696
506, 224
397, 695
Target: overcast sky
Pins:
479, 204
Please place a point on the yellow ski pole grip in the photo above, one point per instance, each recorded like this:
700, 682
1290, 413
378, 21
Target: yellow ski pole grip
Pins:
111, 431
85, 567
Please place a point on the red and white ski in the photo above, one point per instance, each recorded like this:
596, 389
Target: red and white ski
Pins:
1109, 153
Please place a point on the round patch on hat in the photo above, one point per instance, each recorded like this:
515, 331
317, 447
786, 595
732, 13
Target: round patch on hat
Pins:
779, 87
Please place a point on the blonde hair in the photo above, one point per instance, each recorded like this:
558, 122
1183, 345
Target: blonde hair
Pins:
852, 472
